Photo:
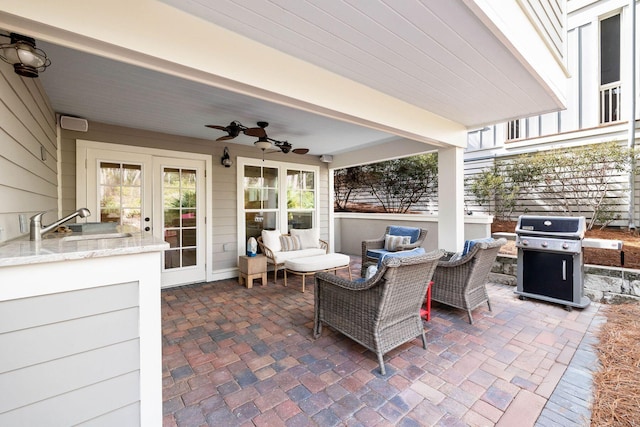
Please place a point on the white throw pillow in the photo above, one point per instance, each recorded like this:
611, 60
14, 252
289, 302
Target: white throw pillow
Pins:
271, 239
309, 237
391, 243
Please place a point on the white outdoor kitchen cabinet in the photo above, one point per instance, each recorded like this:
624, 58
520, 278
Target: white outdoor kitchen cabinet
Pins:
80, 332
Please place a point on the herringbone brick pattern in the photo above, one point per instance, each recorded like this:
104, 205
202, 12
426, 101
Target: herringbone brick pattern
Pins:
246, 357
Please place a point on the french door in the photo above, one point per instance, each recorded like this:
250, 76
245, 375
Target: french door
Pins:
179, 216
151, 194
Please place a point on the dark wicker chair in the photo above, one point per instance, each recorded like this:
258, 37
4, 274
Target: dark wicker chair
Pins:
461, 283
372, 248
380, 313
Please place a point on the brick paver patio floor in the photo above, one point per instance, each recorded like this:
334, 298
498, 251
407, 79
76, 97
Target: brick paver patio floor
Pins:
234, 356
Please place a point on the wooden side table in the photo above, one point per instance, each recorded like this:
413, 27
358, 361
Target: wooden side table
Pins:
252, 267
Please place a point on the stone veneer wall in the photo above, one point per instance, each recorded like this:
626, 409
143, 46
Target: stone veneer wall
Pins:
610, 285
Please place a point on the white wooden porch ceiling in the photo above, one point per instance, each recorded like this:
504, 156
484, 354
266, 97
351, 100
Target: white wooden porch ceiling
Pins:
433, 54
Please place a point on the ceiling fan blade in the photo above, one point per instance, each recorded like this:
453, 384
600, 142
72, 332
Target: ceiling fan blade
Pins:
225, 138
224, 128
256, 132
300, 150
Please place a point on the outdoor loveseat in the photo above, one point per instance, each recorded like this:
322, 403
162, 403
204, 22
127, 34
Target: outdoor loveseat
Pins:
279, 247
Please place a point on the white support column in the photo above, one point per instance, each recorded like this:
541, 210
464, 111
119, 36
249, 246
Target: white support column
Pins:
451, 199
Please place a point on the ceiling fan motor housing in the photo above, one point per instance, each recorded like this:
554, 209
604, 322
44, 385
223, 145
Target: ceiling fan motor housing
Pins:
285, 148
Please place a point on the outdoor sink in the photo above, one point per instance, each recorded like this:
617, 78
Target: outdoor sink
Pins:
97, 236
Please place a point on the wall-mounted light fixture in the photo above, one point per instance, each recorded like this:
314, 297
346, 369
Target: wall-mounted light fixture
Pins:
27, 60
226, 160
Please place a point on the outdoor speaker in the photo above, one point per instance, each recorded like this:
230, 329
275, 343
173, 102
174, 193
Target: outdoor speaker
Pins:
74, 123
326, 158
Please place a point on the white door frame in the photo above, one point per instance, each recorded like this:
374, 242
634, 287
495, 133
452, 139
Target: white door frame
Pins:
81, 187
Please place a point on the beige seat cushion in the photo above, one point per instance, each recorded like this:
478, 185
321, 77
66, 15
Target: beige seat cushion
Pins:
317, 262
282, 256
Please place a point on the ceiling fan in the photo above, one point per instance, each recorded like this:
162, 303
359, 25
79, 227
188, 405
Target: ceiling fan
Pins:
234, 129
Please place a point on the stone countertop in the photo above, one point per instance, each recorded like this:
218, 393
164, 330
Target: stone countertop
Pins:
55, 248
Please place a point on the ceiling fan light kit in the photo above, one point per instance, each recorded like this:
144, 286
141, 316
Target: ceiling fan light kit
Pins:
234, 128
262, 143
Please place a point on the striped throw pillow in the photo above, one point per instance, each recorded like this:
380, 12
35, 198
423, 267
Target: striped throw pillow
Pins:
391, 242
290, 243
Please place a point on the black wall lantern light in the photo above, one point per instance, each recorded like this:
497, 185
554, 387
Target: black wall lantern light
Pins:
27, 60
226, 160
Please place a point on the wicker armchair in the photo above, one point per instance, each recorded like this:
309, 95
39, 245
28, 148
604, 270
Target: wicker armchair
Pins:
374, 248
461, 283
380, 313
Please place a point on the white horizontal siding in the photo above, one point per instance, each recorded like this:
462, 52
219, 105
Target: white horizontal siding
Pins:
56, 369
79, 406
65, 306
28, 184
58, 376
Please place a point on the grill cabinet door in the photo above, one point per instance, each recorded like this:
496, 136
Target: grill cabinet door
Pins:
548, 274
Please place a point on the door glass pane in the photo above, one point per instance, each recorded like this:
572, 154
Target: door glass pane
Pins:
189, 237
171, 259
179, 216
188, 257
172, 217
120, 192
172, 238
171, 197
131, 217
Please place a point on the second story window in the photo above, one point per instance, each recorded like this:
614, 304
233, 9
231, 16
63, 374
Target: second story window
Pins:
481, 138
610, 69
515, 130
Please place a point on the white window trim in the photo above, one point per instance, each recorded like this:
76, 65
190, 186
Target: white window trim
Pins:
282, 191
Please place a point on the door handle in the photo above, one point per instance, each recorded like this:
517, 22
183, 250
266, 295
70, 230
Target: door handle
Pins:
564, 269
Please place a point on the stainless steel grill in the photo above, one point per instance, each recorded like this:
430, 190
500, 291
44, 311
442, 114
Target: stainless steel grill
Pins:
550, 259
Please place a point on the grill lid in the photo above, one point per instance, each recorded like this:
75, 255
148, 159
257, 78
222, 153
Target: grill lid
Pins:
571, 227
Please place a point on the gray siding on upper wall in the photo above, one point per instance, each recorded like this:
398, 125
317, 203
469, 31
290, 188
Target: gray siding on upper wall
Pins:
224, 179
28, 184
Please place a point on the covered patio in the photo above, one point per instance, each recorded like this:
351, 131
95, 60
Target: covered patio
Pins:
237, 356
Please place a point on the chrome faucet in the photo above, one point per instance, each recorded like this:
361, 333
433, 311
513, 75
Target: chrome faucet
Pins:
37, 230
